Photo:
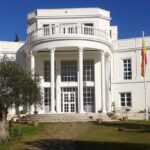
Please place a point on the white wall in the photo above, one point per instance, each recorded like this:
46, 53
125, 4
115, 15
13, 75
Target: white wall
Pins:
9, 49
131, 48
99, 17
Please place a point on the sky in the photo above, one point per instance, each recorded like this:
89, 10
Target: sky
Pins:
131, 16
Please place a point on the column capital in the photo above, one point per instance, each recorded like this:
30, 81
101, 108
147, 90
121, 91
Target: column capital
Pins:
102, 52
81, 49
52, 49
32, 53
109, 58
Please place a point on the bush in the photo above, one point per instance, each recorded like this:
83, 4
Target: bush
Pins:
17, 133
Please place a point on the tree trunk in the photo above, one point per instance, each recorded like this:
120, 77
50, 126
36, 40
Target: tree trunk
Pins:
4, 129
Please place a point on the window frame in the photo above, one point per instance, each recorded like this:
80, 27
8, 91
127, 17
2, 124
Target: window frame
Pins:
47, 79
127, 76
88, 70
126, 99
89, 98
47, 96
69, 71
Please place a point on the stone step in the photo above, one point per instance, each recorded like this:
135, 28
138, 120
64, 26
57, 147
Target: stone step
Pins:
68, 117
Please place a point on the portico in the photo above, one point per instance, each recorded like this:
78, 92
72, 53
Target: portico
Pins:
70, 94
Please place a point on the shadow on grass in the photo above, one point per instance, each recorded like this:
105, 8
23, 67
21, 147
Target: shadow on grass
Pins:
128, 126
55, 144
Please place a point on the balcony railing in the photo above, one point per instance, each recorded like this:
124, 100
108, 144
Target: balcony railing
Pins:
67, 31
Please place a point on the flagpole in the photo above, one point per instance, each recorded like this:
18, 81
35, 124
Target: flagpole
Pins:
145, 88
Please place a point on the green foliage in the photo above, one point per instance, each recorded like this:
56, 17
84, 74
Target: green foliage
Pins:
35, 112
16, 38
23, 112
16, 87
17, 133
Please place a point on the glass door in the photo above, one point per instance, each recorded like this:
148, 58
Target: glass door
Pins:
69, 102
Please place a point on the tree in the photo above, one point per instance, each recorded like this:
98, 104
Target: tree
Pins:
16, 38
16, 88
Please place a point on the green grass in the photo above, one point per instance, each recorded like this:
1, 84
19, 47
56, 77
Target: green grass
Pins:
26, 131
131, 135
117, 136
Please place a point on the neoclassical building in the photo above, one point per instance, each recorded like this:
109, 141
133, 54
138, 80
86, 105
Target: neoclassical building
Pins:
82, 65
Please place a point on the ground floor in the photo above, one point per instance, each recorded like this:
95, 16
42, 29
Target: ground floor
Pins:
84, 81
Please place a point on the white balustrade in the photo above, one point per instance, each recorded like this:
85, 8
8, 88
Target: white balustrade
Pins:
68, 30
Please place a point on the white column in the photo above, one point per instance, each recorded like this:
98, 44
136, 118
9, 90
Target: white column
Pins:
58, 82
109, 83
52, 58
80, 80
103, 75
32, 63
112, 78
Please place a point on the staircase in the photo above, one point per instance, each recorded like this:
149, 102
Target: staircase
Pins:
69, 117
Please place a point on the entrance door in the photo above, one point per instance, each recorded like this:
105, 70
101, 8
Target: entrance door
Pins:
69, 102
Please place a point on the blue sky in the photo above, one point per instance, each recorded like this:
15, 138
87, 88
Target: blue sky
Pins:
131, 16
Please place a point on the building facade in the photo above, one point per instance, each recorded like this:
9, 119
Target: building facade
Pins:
82, 65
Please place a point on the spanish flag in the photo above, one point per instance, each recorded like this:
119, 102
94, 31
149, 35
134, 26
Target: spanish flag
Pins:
144, 58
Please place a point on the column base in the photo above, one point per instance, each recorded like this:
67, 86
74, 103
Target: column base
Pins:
53, 112
104, 112
82, 112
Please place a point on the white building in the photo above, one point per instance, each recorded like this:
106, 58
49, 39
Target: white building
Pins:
82, 64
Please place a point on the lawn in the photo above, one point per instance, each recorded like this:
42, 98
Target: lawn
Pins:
131, 135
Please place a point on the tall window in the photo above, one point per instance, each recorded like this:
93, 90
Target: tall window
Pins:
46, 29
47, 99
126, 99
88, 70
69, 71
88, 29
89, 99
127, 69
47, 71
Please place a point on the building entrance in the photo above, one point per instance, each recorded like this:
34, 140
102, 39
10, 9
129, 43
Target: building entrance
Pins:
69, 102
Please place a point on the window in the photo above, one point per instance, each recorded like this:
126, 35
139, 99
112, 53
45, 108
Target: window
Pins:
127, 69
46, 29
88, 29
69, 71
53, 29
126, 100
89, 99
47, 71
47, 99
68, 28
88, 70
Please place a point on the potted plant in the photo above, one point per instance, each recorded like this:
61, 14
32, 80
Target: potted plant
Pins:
112, 115
126, 109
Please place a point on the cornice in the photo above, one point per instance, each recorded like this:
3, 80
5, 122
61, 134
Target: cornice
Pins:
73, 38
72, 16
129, 82
130, 49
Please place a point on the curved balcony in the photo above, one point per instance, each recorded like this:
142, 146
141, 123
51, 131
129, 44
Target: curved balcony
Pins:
68, 32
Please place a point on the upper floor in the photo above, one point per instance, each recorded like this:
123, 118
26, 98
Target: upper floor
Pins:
91, 23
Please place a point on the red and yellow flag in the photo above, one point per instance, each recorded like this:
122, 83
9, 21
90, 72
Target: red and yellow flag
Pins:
144, 58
